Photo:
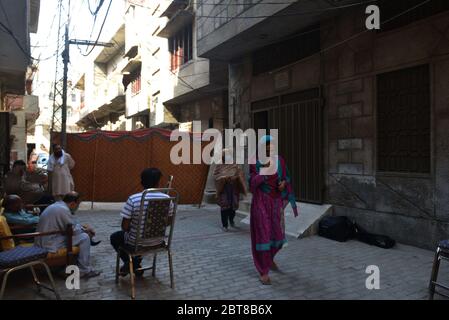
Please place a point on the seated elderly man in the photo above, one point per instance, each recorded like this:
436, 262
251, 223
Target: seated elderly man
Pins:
57, 217
29, 186
16, 215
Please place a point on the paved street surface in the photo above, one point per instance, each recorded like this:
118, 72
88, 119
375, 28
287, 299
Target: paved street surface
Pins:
211, 264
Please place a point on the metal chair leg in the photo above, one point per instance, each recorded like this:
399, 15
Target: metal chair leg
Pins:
36, 280
52, 281
170, 261
132, 275
5, 280
434, 275
117, 267
154, 265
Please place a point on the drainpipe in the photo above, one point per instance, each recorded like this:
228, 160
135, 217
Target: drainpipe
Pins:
323, 118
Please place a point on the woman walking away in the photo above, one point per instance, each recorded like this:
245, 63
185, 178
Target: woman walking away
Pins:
266, 220
229, 184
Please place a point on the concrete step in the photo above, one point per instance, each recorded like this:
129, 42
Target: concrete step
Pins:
305, 225
101, 206
209, 197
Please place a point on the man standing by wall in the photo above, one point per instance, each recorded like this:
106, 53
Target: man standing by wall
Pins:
59, 166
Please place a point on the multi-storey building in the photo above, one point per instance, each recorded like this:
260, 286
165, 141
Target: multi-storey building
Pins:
143, 95
18, 107
152, 76
99, 92
190, 87
362, 114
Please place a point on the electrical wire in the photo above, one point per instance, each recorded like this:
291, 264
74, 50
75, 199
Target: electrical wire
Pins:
325, 49
95, 12
302, 13
348, 39
100, 32
263, 3
8, 31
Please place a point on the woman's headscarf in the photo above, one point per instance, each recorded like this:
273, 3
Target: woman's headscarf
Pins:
224, 170
272, 182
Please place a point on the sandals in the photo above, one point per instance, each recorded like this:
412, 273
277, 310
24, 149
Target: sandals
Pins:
94, 243
124, 271
274, 267
265, 280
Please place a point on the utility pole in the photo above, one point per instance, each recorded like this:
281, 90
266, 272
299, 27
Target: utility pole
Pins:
66, 61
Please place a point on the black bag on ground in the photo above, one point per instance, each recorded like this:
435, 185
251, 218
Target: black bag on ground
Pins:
337, 228
377, 240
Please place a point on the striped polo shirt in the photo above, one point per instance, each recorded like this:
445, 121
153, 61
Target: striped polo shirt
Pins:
131, 212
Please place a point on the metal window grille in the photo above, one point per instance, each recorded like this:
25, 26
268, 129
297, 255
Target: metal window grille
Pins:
403, 121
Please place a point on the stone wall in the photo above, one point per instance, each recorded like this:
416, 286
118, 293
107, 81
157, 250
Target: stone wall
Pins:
213, 107
410, 208
413, 209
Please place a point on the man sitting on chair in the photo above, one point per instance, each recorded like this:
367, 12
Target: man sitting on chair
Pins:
56, 218
149, 178
16, 215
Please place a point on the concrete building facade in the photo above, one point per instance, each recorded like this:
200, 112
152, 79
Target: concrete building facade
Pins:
188, 88
362, 114
146, 75
152, 76
99, 92
18, 107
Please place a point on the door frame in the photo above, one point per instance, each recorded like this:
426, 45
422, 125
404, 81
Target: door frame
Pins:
276, 104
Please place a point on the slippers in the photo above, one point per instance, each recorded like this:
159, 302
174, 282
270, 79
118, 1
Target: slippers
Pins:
265, 281
274, 267
94, 243
124, 270
91, 274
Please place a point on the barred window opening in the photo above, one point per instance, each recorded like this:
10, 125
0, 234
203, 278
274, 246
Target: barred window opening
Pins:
403, 121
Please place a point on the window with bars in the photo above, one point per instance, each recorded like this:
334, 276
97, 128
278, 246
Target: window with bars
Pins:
181, 47
136, 85
399, 13
82, 105
403, 121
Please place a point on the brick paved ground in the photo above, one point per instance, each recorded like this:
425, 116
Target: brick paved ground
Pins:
210, 264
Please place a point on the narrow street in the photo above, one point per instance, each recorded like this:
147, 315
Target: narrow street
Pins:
338, 110
211, 264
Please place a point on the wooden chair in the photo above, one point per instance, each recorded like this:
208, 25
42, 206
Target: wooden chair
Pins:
63, 257
155, 217
442, 253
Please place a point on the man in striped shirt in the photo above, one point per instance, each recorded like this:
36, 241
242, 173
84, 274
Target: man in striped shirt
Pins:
149, 178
